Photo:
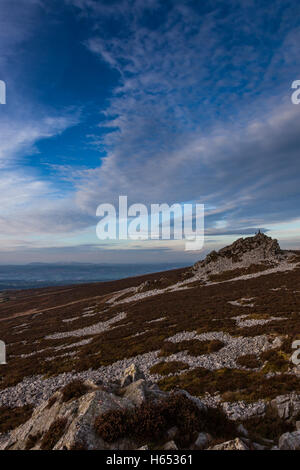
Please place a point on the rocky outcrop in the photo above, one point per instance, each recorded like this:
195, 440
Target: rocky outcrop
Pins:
235, 444
133, 414
290, 441
244, 252
287, 406
67, 419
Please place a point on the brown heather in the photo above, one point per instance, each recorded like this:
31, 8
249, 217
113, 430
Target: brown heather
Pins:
151, 420
54, 433
165, 368
74, 390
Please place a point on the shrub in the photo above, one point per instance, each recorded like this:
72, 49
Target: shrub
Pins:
112, 425
249, 360
54, 433
165, 368
270, 426
73, 390
277, 361
32, 440
151, 420
243, 384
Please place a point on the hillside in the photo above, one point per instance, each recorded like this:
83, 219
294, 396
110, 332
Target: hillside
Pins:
221, 330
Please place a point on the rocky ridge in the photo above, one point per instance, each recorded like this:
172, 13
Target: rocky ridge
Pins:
244, 252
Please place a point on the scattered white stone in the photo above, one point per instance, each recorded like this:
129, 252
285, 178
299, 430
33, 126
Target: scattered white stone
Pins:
90, 330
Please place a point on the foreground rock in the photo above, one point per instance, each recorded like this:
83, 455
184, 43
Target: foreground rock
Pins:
67, 420
131, 414
236, 444
290, 441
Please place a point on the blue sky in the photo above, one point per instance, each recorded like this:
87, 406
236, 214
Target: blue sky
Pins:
164, 101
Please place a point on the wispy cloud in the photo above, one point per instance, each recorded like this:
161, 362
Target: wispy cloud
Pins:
201, 112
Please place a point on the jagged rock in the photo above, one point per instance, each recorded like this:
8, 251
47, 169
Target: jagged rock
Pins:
196, 400
235, 444
290, 441
79, 414
203, 440
242, 253
72, 422
131, 374
242, 411
287, 406
136, 392
170, 446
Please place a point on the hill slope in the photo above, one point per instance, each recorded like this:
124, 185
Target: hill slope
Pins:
222, 330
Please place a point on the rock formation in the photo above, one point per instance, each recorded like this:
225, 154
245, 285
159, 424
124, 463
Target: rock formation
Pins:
244, 252
131, 415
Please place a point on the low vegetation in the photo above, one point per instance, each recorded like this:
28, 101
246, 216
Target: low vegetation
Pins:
270, 427
73, 390
54, 433
193, 347
165, 368
151, 420
204, 309
234, 383
11, 418
32, 440
249, 360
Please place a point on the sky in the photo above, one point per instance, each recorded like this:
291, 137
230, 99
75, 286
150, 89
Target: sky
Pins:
165, 101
